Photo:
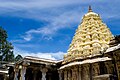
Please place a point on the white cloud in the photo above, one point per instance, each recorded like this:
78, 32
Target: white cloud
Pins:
37, 9
27, 37
57, 13
62, 21
53, 56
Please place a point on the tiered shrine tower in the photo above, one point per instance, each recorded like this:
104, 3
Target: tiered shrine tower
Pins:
91, 38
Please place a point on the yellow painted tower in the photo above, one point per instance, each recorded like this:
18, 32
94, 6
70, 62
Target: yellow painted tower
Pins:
91, 38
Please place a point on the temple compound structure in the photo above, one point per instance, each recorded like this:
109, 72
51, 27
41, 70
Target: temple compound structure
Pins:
94, 54
90, 55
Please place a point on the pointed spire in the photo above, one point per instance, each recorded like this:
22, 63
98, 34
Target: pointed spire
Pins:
90, 9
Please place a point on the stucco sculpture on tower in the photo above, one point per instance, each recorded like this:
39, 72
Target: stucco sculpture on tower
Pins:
91, 37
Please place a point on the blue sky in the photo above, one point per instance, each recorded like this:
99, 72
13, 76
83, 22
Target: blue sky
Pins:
44, 28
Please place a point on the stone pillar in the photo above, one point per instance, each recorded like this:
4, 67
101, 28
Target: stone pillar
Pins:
79, 73
44, 70
116, 64
60, 75
88, 71
65, 75
75, 73
110, 67
69, 75
97, 69
23, 73
35, 72
16, 75
85, 72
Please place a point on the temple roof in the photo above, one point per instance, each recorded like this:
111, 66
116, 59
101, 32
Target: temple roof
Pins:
30, 59
88, 61
91, 38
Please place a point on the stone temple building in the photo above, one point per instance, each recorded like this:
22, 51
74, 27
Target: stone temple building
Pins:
94, 54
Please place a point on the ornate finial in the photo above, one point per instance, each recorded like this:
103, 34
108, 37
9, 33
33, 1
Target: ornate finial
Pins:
90, 9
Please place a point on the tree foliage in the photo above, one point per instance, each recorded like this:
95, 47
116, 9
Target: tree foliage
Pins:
6, 48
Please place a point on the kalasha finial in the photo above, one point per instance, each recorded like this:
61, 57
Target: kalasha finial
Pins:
90, 9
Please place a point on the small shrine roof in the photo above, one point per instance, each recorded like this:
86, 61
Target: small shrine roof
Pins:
42, 59
38, 60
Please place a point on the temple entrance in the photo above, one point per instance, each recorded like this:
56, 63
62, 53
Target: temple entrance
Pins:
1, 77
29, 74
11, 73
55, 75
102, 67
39, 75
32, 74
48, 75
52, 75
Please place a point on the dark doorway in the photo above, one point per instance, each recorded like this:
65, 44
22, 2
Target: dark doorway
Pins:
49, 75
11, 73
39, 75
29, 74
19, 75
55, 75
103, 69
52, 75
1, 77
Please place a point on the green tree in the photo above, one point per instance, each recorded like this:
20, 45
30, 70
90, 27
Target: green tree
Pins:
6, 48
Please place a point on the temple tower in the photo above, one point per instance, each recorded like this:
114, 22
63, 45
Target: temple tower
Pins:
91, 38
